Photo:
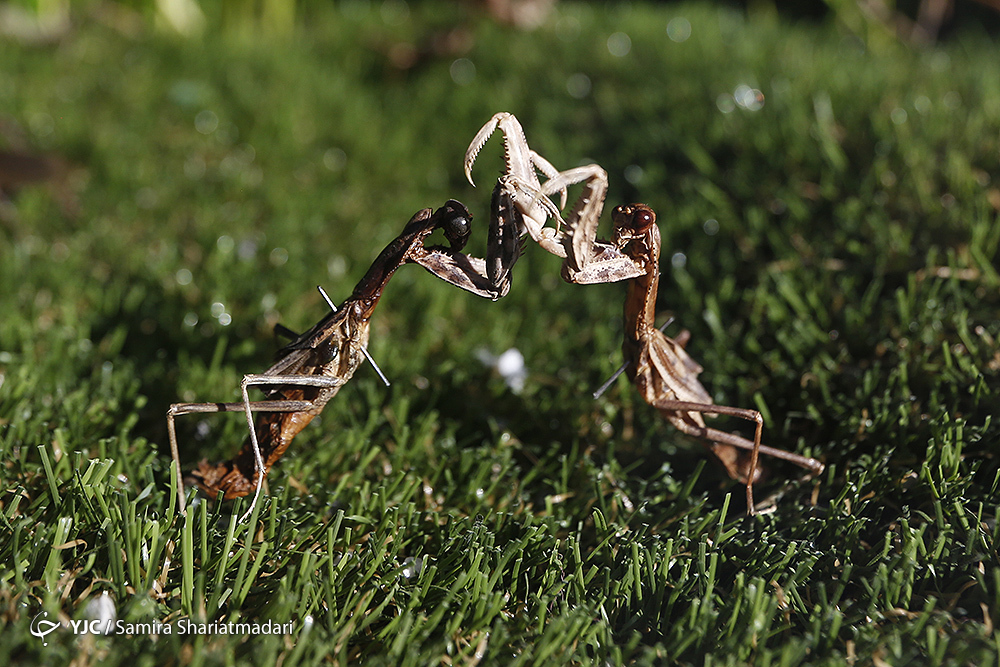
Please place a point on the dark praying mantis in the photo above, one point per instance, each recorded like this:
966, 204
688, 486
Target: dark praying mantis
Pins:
659, 366
311, 369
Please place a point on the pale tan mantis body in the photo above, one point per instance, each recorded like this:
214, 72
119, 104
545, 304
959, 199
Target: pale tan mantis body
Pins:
658, 365
521, 205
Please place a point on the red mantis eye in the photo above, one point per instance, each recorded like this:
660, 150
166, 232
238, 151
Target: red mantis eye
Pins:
645, 218
634, 218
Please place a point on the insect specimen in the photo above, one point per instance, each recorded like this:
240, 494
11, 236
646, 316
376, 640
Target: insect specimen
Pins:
311, 369
659, 366
661, 369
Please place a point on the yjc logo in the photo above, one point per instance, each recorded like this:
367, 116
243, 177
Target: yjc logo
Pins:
41, 626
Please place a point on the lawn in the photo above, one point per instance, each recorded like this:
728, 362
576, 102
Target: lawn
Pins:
829, 214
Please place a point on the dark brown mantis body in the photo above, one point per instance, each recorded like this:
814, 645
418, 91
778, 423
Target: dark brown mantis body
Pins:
665, 374
310, 370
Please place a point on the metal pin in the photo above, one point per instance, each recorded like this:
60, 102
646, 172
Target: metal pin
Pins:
364, 350
604, 387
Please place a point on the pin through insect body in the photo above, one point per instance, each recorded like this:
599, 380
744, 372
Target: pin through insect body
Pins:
658, 365
312, 368
664, 373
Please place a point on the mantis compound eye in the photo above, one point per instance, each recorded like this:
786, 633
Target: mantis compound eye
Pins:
457, 231
458, 226
633, 218
644, 217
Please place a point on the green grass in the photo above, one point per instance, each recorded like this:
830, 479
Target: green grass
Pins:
847, 288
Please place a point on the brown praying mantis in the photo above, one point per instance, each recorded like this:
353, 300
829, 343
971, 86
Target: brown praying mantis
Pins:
659, 366
664, 373
311, 369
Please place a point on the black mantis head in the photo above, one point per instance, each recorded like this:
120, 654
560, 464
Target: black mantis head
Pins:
456, 223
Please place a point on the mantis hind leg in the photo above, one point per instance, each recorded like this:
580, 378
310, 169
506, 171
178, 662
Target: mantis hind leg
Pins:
178, 409
247, 407
677, 408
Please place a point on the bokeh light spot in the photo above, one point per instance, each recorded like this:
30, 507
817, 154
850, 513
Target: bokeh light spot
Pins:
679, 29
578, 85
463, 71
619, 44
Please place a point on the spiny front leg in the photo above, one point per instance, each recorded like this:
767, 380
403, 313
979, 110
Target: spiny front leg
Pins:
519, 159
585, 215
589, 261
520, 178
450, 264
550, 173
517, 155
521, 201
533, 208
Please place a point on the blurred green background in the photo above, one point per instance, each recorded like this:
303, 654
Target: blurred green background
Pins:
177, 177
